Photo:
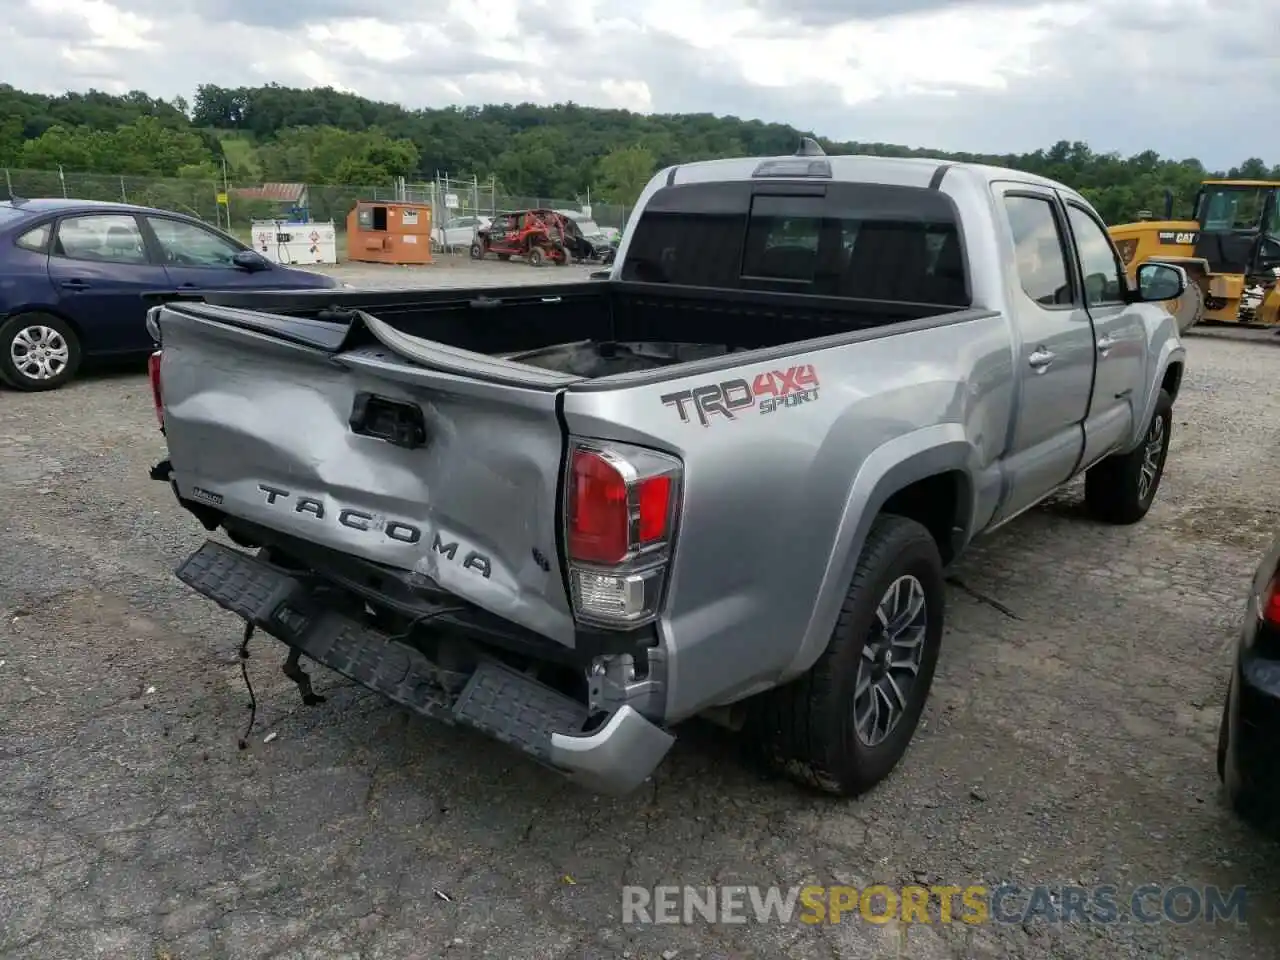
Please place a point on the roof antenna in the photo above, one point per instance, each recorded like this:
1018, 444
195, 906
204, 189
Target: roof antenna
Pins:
13, 197
809, 148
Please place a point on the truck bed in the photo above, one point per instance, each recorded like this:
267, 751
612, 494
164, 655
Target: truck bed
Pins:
586, 330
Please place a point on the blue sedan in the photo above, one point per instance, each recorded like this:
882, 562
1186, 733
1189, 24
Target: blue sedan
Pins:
77, 278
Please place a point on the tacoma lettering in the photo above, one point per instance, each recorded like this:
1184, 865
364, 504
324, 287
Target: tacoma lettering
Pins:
401, 531
472, 561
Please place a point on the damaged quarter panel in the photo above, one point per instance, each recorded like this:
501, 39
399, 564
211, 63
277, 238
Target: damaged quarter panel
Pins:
784, 471
262, 429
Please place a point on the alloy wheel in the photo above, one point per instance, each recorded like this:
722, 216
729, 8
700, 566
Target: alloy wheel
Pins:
891, 659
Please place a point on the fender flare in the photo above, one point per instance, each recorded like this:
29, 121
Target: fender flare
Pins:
891, 467
1171, 352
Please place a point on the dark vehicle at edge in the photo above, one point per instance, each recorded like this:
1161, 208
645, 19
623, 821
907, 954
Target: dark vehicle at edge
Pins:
78, 276
1247, 744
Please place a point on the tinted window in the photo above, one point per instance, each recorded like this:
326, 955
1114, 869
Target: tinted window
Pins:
866, 241
36, 238
1099, 263
111, 238
185, 244
1038, 250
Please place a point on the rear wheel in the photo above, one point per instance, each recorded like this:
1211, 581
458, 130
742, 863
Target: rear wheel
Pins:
563, 257
1121, 488
38, 351
536, 257
845, 724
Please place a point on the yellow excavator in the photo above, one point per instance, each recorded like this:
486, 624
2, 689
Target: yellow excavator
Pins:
1230, 250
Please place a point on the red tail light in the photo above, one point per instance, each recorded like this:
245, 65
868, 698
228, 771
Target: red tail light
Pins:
621, 505
153, 370
1269, 603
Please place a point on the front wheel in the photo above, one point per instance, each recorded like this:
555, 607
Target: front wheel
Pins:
843, 726
38, 351
1188, 310
536, 257
477, 251
1121, 488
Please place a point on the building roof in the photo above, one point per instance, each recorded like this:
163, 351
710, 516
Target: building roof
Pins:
274, 192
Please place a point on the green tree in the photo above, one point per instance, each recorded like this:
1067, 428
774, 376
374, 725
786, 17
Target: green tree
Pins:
623, 174
328, 155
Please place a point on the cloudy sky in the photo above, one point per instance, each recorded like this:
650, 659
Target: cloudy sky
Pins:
982, 75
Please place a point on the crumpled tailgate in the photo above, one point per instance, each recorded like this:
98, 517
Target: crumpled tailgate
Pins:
464, 492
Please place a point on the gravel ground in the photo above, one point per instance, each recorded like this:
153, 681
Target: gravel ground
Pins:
1069, 739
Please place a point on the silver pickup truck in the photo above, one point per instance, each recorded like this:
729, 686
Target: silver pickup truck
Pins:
724, 481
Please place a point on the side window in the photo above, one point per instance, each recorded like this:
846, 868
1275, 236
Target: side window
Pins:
1039, 250
106, 238
184, 244
1098, 260
36, 239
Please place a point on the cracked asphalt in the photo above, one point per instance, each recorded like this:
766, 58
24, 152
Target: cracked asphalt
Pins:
1070, 739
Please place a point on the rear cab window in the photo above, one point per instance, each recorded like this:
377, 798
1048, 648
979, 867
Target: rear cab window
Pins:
851, 240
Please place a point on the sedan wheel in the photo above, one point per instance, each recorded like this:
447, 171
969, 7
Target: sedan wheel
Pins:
38, 352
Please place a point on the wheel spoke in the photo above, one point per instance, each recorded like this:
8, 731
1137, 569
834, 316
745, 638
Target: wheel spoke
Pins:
897, 691
863, 684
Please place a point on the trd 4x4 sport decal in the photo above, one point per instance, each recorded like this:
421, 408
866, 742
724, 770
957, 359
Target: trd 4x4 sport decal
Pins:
767, 393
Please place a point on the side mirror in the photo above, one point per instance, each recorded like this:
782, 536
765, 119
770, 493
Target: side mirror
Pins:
1159, 282
250, 260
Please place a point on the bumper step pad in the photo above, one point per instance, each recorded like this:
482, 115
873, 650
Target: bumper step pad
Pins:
518, 710
497, 700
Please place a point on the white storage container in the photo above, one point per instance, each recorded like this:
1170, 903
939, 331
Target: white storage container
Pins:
294, 241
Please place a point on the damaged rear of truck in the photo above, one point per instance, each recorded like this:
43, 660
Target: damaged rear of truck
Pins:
573, 516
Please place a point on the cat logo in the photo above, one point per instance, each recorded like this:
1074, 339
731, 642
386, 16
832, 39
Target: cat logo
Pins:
1182, 238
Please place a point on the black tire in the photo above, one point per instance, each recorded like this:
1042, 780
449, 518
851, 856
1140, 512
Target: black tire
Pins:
477, 251
565, 256
1224, 735
1113, 488
1249, 801
1188, 310
59, 330
536, 257
806, 730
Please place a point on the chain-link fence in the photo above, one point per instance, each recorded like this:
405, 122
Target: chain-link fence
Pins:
234, 206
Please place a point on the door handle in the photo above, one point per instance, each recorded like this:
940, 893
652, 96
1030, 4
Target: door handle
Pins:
187, 286
1105, 344
1040, 360
75, 283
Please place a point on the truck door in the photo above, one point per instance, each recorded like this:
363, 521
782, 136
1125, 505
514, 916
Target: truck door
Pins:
1053, 348
1119, 337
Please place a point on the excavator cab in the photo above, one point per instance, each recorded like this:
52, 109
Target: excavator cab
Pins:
1239, 227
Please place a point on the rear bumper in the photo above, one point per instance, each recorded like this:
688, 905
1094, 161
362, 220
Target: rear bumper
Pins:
612, 754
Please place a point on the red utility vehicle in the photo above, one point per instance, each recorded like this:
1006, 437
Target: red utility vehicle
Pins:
540, 236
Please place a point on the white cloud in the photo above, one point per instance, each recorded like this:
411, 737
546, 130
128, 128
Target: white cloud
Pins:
1177, 76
